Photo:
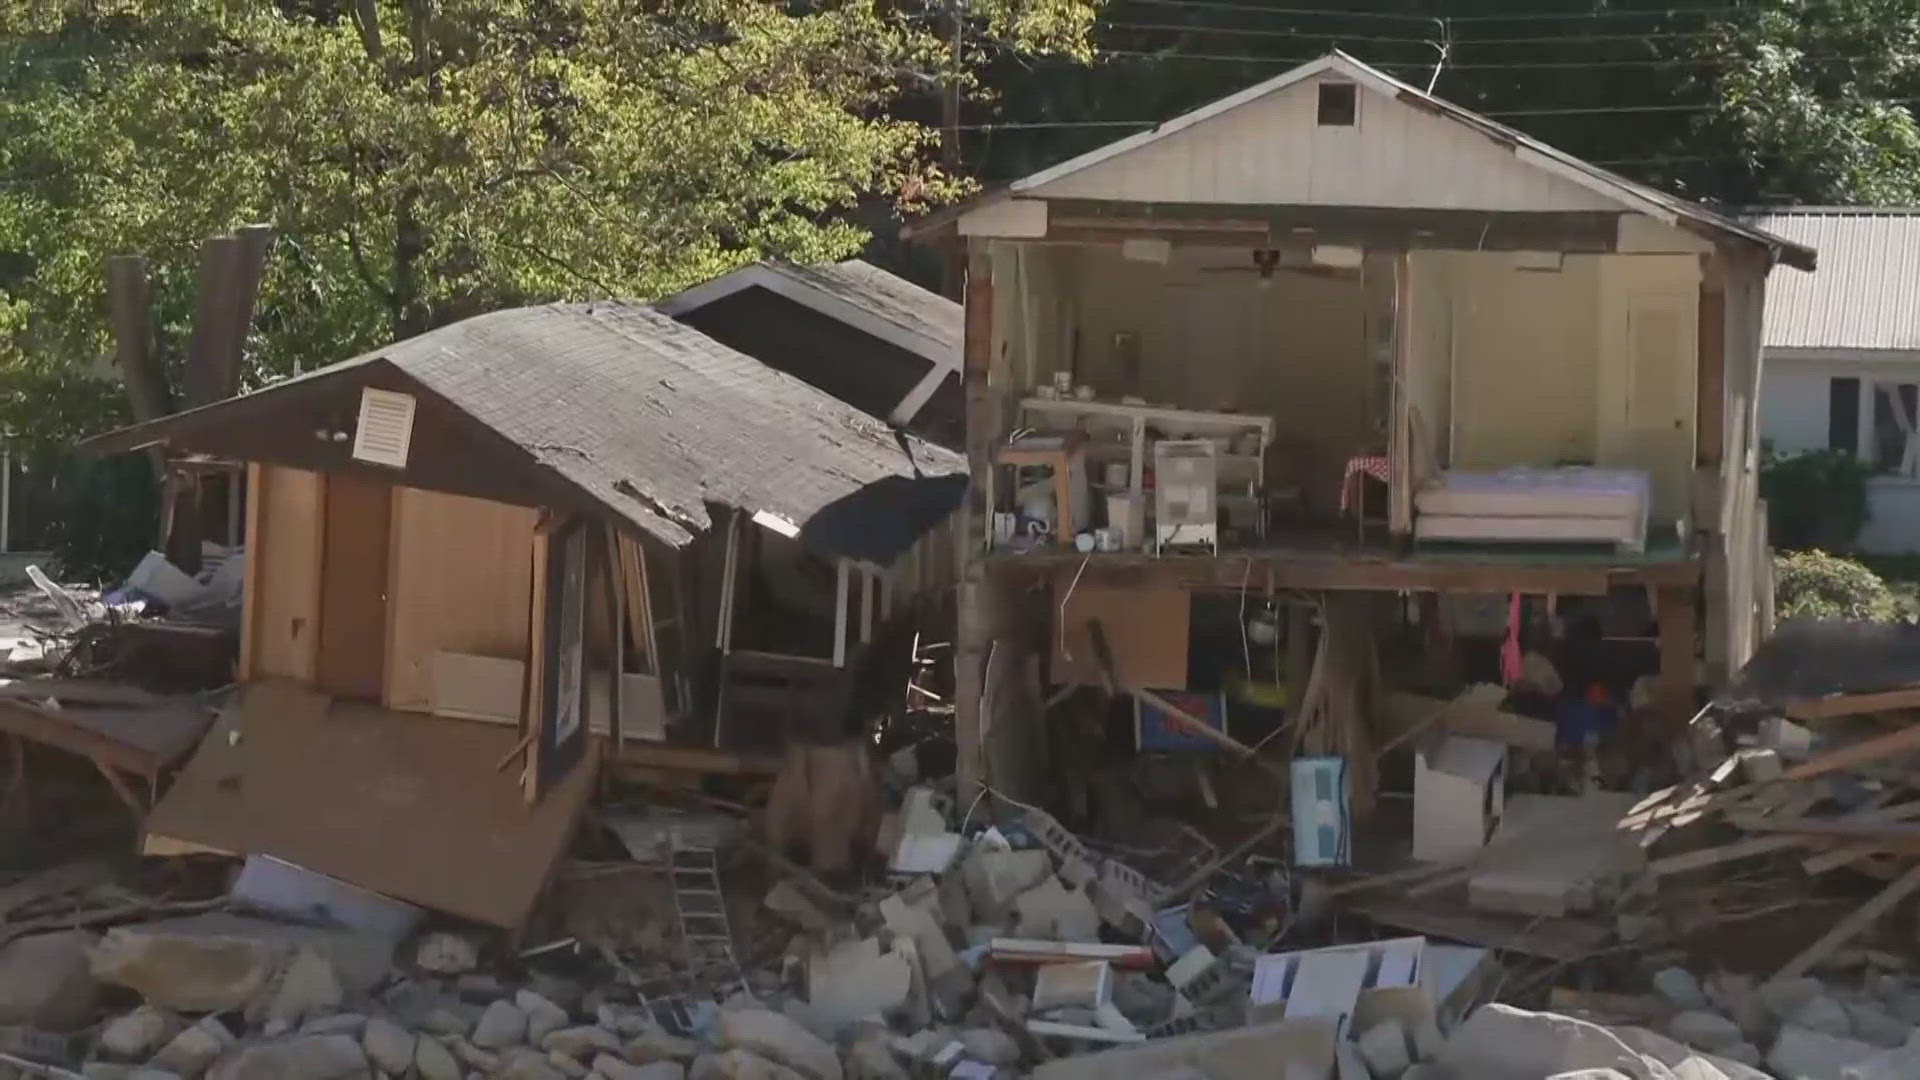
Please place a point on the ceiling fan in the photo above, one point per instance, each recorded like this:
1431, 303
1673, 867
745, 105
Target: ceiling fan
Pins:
1267, 261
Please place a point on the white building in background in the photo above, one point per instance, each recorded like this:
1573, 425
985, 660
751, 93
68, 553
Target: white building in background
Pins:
1842, 362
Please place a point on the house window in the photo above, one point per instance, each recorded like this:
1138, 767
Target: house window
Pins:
1894, 419
1339, 104
1843, 415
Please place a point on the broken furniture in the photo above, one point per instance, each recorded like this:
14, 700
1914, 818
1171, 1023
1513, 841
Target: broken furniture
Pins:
123, 730
1058, 519
1128, 434
1459, 790
414, 807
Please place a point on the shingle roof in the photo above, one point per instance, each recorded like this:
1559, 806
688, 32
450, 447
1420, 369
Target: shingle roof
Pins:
888, 295
914, 318
655, 420
1866, 294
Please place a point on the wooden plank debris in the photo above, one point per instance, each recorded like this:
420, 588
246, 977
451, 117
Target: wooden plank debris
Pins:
1898, 741
1835, 705
1846, 929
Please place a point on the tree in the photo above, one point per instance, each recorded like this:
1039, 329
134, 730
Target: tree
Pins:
1814, 101
421, 160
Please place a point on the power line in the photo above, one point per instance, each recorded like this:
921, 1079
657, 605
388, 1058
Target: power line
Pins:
1248, 31
1537, 16
1528, 65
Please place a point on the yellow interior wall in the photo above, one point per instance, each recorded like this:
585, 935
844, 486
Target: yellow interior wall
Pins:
1429, 373
1293, 349
1526, 360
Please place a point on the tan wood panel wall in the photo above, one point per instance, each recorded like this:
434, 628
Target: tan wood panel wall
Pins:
282, 613
462, 580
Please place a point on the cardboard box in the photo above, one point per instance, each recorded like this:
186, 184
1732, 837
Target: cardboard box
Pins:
1459, 793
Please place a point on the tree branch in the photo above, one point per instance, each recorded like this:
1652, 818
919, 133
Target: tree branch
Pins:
364, 271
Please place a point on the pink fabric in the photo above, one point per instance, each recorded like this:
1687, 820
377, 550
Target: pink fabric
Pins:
1510, 667
1374, 465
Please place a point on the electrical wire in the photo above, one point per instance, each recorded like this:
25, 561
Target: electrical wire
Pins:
1534, 16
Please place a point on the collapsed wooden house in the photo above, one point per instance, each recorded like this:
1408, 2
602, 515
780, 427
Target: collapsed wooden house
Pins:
556, 531
1332, 336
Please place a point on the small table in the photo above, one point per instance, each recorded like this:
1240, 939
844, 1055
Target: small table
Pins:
1353, 487
1062, 459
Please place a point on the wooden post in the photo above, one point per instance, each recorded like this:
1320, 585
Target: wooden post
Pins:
867, 597
840, 570
1676, 618
973, 617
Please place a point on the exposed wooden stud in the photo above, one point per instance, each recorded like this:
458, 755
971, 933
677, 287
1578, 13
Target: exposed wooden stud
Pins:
250, 578
868, 595
840, 590
1677, 632
1845, 930
974, 603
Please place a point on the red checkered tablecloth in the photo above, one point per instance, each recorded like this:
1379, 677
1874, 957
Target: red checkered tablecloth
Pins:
1374, 465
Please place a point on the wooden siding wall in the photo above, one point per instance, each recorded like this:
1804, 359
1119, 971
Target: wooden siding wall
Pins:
282, 608
1272, 151
462, 580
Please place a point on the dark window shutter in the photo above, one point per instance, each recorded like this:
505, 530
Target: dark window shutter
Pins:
1843, 415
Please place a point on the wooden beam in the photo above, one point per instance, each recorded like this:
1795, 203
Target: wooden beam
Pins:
1825, 708
1846, 929
1678, 621
1319, 570
1710, 401
974, 594
1899, 741
250, 578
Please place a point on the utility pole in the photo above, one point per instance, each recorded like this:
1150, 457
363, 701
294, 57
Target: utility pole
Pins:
953, 252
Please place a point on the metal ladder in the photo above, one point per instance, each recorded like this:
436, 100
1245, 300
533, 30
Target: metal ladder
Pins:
693, 872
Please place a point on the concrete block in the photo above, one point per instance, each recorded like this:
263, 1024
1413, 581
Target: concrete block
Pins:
1499, 1042
1384, 1047
1704, 1030
1811, 1055
47, 982
857, 981
1052, 912
1681, 987
773, 1036
995, 878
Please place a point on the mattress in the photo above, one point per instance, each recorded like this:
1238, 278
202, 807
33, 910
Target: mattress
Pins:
1568, 492
1570, 505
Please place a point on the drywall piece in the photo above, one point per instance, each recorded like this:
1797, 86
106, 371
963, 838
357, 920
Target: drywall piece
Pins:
1459, 792
282, 888
478, 687
1189, 966
1555, 849
925, 854
1333, 982
1087, 985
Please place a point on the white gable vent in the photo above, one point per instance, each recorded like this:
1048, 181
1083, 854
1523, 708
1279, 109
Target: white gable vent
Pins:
386, 427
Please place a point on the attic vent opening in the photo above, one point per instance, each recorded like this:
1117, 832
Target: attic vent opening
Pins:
385, 431
1339, 104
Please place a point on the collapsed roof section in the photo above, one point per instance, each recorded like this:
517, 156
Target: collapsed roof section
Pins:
604, 404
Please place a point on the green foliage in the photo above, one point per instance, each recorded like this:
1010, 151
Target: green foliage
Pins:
1815, 100
1815, 499
421, 160
1814, 584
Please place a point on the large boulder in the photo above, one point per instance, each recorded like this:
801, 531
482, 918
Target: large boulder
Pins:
779, 1039
304, 1057
188, 972
46, 981
1499, 1042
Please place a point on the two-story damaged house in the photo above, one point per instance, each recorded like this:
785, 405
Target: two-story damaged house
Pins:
1332, 336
